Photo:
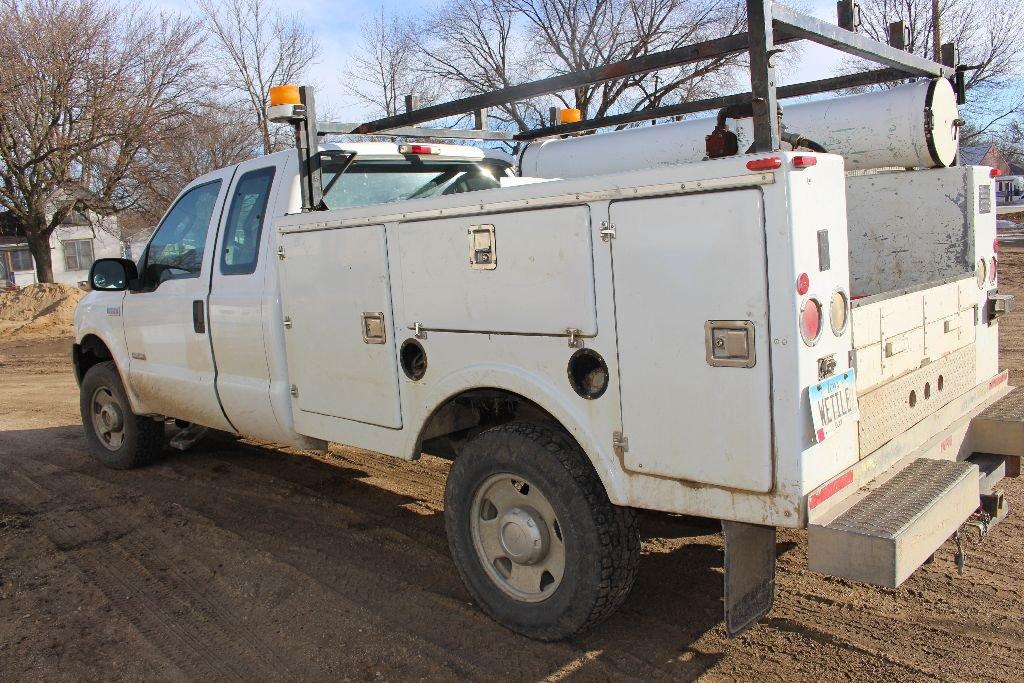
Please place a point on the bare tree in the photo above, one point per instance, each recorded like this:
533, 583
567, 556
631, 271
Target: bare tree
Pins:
262, 47
573, 36
480, 45
988, 35
386, 66
88, 87
208, 138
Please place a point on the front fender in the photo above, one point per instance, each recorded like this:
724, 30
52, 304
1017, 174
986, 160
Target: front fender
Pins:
99, 315
577, 416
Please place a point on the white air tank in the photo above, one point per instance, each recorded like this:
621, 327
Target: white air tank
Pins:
910, 125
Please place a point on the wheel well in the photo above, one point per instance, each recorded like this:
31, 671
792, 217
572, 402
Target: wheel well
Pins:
462, 416
88, 353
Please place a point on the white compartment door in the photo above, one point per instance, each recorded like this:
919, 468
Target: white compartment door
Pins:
335, 293
680, 262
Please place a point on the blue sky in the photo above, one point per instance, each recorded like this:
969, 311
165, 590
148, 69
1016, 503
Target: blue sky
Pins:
336, 25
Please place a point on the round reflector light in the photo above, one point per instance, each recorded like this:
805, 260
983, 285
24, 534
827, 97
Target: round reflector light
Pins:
810, 321
838, 312
803, 283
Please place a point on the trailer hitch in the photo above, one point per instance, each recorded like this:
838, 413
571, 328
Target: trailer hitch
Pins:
992, 511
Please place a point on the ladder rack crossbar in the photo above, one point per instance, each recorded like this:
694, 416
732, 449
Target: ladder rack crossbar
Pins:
787, 26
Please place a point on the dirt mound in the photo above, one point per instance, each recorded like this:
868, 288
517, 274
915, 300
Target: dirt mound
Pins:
43, 310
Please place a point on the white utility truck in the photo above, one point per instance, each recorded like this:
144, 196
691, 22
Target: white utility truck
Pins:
696, 317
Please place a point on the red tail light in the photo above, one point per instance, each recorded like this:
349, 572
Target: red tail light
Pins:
995, 173
810, 321
766, 164
804, 161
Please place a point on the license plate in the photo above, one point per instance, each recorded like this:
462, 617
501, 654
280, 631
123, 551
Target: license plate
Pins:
833, 403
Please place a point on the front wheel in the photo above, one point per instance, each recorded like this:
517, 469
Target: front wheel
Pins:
537, 542
117, 437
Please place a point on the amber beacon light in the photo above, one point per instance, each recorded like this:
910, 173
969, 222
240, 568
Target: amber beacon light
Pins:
284, 94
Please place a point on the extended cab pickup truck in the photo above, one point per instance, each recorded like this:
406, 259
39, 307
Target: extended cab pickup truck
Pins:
770, 339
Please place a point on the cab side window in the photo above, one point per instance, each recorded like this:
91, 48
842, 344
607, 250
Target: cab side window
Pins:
244, 225
176, 250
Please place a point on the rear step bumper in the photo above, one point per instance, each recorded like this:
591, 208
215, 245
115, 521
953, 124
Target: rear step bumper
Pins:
895, 525
880, 531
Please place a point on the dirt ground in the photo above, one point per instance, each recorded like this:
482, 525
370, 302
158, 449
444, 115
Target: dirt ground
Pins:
241, 561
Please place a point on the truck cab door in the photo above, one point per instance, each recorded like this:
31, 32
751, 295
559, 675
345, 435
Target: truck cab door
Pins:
242, 293
171, 365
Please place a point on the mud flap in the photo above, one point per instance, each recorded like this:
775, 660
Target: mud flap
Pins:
749, 574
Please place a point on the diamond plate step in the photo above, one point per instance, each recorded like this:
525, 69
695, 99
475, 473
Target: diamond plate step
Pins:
897, 524
999, 429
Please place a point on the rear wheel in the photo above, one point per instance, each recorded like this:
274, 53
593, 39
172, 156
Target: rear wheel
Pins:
117, 437
533, 534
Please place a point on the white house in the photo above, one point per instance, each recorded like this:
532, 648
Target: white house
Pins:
74, 245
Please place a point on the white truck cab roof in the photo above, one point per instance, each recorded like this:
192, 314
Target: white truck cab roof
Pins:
393, 149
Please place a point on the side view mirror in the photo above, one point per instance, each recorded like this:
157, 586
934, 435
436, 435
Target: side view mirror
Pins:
113, 274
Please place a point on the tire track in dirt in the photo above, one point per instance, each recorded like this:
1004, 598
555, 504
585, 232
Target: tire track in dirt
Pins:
226, 641
213, 645
459, 639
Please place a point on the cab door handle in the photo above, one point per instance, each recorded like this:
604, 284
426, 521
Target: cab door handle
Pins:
198, 317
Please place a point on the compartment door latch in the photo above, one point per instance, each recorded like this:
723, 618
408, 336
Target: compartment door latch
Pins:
483, 254
729, 343
374, 330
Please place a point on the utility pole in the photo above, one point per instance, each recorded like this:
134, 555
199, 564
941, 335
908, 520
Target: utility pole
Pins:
936, 31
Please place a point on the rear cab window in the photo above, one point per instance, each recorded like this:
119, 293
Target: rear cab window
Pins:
379, 181
244, 225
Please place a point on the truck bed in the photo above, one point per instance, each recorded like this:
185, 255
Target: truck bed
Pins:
919, 335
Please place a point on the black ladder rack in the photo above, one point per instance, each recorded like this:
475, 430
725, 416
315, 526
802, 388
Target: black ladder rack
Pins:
768, 25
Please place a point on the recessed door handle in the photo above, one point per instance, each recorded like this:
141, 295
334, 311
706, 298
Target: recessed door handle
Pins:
198, 317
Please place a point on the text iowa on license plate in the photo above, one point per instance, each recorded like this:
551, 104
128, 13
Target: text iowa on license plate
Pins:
833, 403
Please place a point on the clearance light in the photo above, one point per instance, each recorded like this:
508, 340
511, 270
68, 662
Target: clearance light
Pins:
570, 115
810, 321
284, 94
418, 149
804, 161
995, 173
803, 283
995, 245
766, 164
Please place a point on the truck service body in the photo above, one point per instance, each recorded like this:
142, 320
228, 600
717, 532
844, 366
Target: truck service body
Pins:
767, 339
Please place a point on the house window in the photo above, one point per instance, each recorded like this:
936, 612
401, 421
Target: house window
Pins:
21, 260
78, 254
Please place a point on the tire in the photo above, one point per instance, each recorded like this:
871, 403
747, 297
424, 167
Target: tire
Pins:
597, 542
125, 440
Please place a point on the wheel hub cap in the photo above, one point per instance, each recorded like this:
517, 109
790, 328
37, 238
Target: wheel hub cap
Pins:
107, 418
110, 414
517, 537
523, 535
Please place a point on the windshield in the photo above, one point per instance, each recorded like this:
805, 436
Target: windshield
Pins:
378, 182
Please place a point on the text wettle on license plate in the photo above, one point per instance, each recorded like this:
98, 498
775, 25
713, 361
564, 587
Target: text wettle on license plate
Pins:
833, 403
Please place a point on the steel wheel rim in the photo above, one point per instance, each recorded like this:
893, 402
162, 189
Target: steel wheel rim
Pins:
517, 537
107, 418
